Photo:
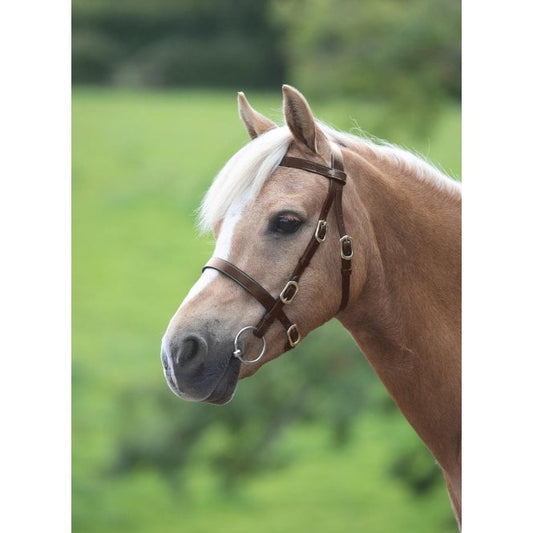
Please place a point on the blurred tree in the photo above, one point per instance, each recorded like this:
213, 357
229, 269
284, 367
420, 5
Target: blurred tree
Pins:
415, 467
403, 52
169, 42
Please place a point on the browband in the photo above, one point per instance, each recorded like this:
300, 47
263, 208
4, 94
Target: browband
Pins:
316, 168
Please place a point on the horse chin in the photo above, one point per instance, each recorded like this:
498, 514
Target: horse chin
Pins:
225, 388
248, 371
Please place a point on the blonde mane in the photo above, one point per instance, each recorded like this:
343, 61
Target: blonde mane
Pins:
397, 156
245, 173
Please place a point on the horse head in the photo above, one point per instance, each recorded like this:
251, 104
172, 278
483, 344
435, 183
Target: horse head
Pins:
256, 299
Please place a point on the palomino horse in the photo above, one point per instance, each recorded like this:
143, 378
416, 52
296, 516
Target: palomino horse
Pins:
332, 225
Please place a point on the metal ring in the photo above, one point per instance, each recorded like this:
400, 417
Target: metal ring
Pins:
238, 353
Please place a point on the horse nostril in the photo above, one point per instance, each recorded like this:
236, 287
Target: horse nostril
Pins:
164, 358
190, 348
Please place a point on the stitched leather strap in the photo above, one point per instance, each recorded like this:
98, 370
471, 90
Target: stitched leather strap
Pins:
313, 244
242, 279
251, 286
328, 172
345, 240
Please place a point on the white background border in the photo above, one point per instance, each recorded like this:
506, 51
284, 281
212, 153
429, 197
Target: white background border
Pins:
35, 266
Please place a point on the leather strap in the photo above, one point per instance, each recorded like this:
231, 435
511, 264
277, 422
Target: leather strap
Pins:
313, 244
251, 286
328, 172
346, 244
242, 279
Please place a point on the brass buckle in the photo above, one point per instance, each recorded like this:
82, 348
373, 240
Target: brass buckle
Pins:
297, 339
346, 240
287, 299
320, 232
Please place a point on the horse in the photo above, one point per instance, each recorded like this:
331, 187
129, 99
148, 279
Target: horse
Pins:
333, 225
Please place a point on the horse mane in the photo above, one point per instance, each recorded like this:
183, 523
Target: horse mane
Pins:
380, 150
246, 172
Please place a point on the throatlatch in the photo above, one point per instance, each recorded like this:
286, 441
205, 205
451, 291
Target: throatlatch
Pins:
274, 306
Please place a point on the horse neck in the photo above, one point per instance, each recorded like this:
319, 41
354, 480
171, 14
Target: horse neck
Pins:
406, 318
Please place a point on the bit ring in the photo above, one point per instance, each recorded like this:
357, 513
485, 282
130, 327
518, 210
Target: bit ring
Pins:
238, 352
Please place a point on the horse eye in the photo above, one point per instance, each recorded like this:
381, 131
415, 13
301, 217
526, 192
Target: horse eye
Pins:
285, 224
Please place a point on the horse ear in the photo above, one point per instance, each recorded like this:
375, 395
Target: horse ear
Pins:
255, 122
299, 118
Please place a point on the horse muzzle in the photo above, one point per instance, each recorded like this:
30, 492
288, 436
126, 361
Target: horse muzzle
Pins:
199, 369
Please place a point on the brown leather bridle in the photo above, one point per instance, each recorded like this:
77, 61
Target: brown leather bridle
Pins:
274, 306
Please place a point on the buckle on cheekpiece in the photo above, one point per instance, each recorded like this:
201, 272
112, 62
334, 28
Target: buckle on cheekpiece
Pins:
289, 292
320, 232
346, 247
293, 336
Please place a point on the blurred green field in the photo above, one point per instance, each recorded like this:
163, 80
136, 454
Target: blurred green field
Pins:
141, 163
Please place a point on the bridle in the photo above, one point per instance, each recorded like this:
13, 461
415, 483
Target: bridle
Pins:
274, 306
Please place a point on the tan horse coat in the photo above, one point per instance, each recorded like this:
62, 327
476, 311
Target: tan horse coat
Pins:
405, 300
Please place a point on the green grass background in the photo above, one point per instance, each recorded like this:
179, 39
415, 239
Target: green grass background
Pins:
141, 162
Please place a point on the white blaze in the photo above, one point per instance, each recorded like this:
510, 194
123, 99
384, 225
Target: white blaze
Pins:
223, 246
